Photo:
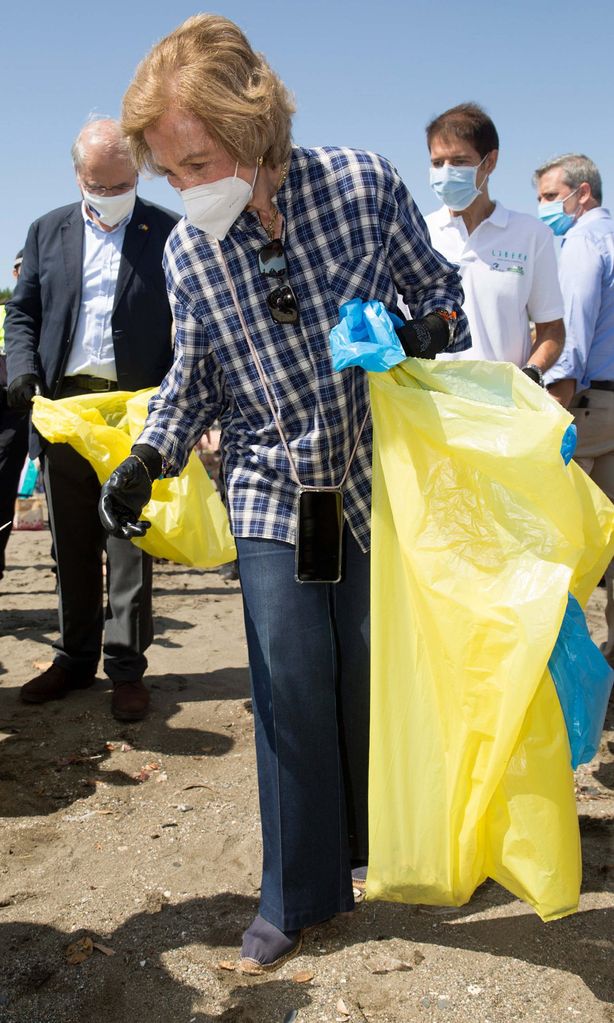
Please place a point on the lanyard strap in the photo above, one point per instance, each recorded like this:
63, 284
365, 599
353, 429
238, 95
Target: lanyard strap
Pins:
264, 382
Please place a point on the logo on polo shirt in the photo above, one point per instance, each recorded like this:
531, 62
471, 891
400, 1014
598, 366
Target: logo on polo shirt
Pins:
507, 261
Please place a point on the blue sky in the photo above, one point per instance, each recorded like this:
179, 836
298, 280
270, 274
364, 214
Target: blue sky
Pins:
364, 74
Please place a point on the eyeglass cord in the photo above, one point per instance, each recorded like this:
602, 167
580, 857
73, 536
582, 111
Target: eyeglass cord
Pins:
264, 382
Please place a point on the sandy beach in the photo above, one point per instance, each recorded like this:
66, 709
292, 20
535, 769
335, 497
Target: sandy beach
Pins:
140, 844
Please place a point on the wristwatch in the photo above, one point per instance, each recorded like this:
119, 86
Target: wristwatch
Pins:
450, 318
534, 373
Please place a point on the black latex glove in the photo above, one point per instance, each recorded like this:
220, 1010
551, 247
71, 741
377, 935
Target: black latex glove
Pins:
22, 390
123, 498
424, 338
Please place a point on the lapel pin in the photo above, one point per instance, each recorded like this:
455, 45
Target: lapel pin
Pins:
143, 227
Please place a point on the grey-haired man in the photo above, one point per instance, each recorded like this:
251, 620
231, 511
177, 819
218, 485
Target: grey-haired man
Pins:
90, 314
570, 196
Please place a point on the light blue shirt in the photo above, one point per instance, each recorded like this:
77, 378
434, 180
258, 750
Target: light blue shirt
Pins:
586, 273
92, 349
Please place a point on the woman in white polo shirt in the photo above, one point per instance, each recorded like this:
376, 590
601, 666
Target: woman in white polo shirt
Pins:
507, 259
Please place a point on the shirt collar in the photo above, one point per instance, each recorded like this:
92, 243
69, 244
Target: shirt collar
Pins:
498, 218
588, 218
249, 222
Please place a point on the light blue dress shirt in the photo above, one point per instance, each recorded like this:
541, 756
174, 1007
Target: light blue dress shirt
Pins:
92, 349
586, 273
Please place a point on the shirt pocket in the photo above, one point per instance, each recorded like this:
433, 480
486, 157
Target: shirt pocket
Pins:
365, 275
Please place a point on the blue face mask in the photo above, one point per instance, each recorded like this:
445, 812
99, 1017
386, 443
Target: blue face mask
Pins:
456, 187
553, 214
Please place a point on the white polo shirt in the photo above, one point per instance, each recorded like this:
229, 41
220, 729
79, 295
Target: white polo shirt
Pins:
509, 272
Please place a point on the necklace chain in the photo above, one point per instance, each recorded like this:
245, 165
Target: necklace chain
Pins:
270, 227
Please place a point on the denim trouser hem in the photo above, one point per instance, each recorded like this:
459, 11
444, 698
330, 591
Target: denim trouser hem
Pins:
305, 918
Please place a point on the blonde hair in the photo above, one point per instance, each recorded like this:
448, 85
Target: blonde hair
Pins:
207, 67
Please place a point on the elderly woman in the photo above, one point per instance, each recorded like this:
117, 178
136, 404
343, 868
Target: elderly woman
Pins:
275, 237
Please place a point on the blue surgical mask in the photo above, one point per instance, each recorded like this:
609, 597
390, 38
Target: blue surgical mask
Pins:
553, 214
456, 187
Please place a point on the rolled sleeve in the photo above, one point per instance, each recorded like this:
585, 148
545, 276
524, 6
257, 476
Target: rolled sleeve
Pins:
191, 396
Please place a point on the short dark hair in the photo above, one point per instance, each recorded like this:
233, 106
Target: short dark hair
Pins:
469, 122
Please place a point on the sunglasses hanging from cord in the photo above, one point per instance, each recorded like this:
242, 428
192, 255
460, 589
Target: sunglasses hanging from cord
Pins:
282, 300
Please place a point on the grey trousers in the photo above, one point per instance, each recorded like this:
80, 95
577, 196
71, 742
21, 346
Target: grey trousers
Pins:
73, 491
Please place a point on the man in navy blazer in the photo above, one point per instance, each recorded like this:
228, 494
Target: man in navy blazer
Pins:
90, 314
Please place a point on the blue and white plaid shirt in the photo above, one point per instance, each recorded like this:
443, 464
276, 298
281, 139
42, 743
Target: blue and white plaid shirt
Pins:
351, 231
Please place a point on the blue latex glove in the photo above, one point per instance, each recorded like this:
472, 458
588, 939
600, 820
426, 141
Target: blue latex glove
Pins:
365, 336
568, 444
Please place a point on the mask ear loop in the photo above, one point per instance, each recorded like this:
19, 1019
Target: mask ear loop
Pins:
486, 176
258, 166
576, 212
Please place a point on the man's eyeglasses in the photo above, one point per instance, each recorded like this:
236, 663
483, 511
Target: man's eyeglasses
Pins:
104, 192
282, 301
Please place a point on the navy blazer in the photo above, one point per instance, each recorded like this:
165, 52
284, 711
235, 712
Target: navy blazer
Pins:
41, 316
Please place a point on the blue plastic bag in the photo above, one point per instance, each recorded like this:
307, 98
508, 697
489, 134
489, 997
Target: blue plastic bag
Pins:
583, 680
28, 478
365, 336
569, 443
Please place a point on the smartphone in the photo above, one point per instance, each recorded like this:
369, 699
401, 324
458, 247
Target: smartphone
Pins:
319, 530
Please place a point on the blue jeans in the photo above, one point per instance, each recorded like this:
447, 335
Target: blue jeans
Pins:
309, 661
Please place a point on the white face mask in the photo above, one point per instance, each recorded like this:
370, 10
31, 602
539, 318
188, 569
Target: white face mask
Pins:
110, 209
215, 207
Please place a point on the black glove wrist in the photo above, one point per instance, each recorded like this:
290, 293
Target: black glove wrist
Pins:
151, 458
22, 389
424, 338
123, 498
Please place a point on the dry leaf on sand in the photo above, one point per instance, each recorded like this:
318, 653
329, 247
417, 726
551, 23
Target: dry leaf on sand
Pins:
104, 948
388, 964
78, 951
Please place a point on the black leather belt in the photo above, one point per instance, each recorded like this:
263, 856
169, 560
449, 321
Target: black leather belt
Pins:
83, 382
602, 385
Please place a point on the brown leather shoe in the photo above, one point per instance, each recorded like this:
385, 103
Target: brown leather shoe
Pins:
130, 701
54, 684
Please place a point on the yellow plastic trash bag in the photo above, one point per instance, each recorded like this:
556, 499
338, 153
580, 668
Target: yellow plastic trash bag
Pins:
479, 531
189, 523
